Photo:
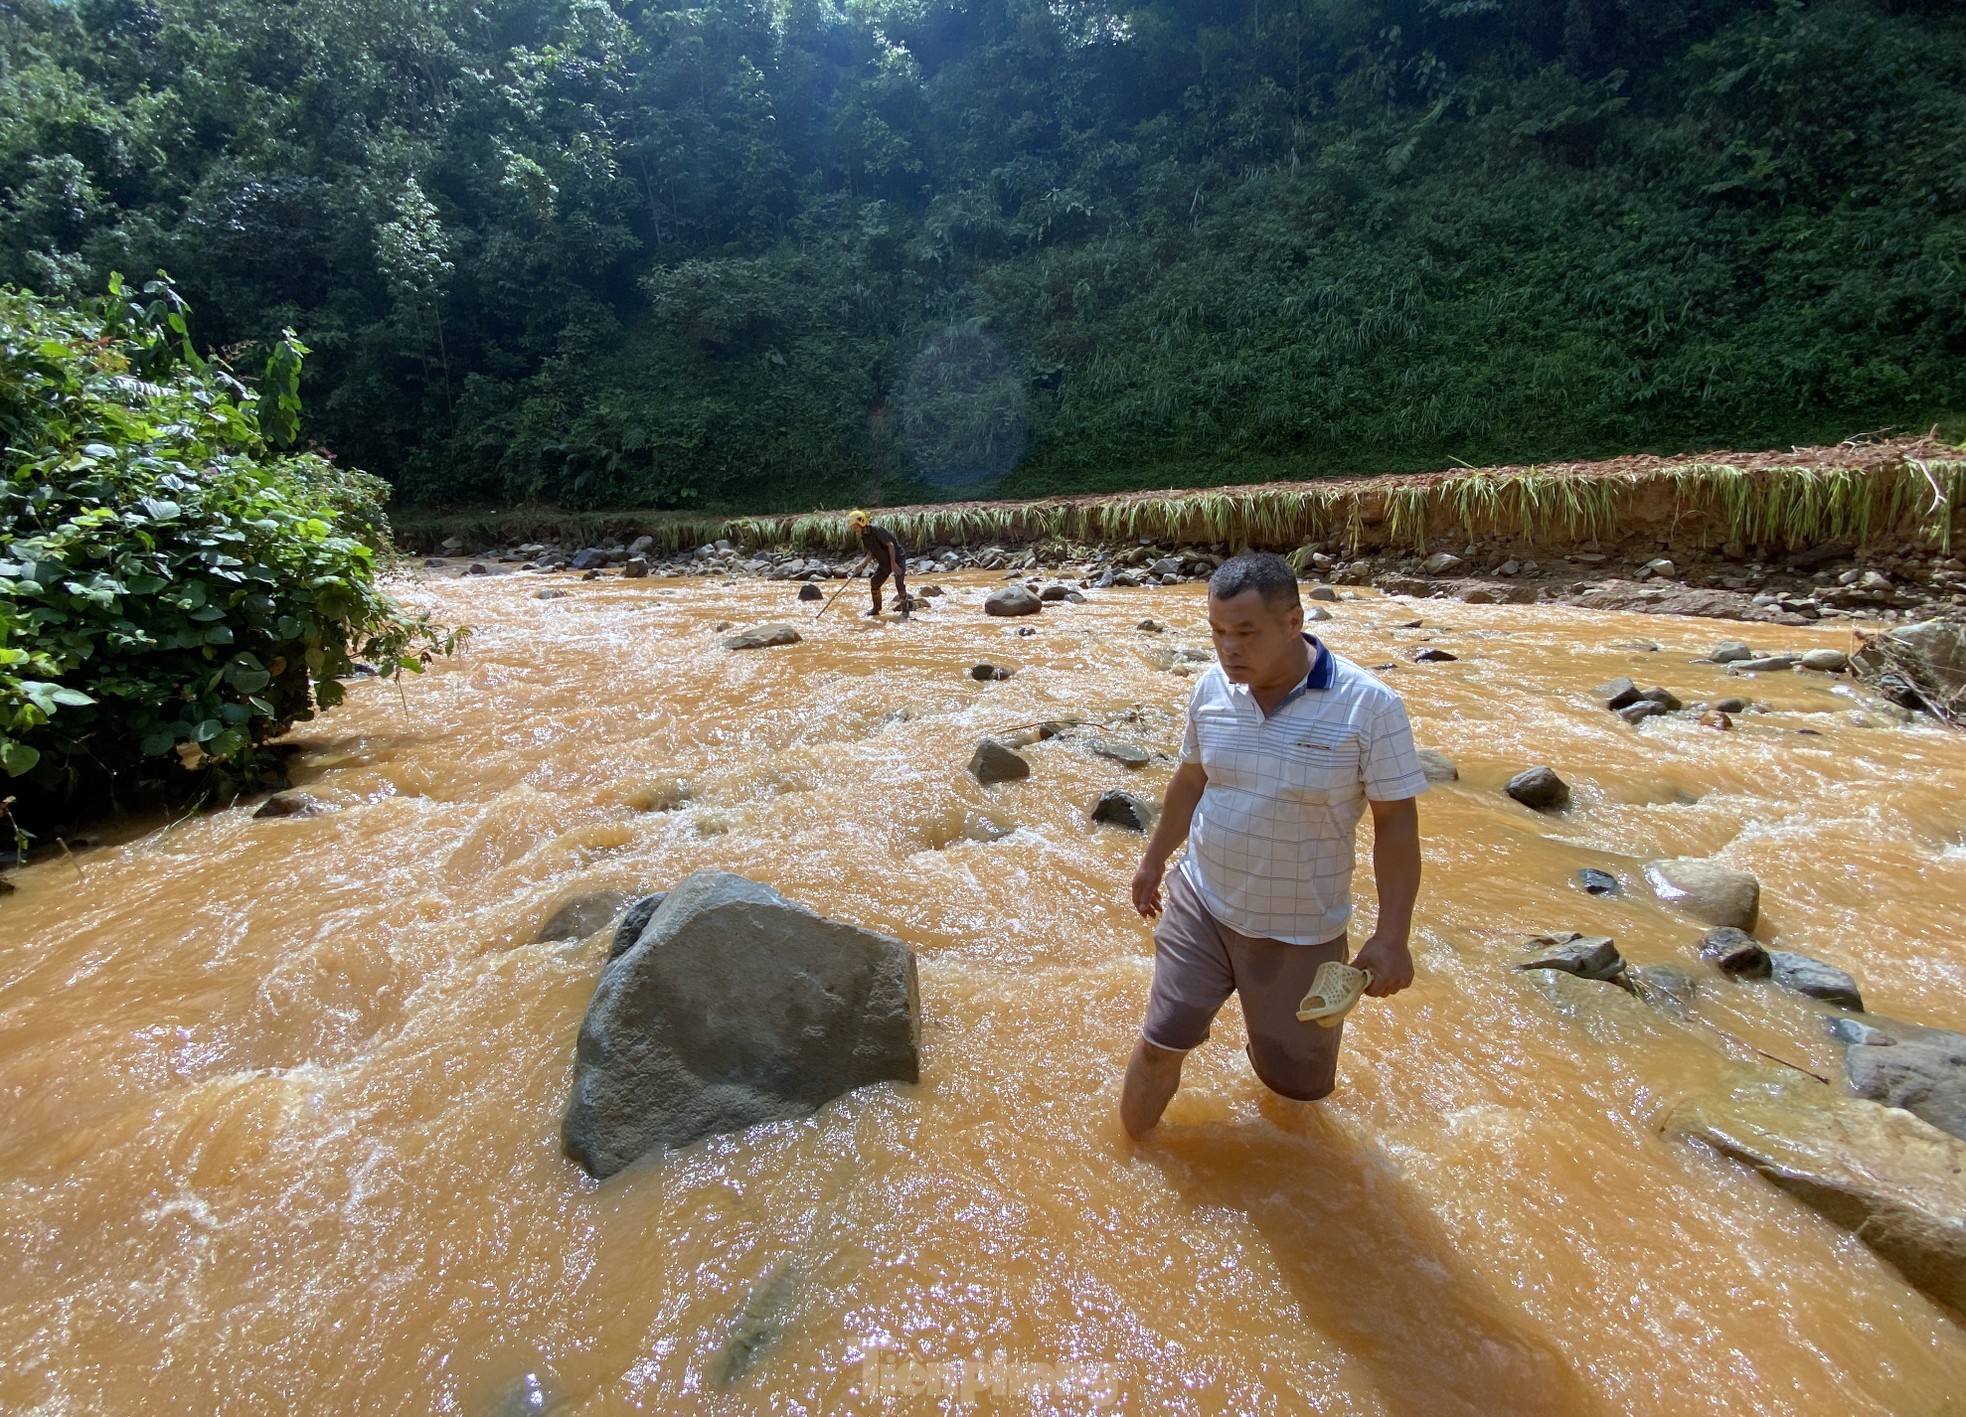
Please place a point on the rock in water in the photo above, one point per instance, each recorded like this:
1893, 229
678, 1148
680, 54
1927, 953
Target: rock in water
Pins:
292, 804
1896, 1181
1766, 663
634, 922
1438, 767
809, 591
1729, 652
1539, 788
763, 637
1826, 661
1598, 882
1706, 890
1734, 951
1123, 809
635, 568
1616, 694
985, 673
1430, 655
1126, 754
995, 762
1012, 600
1815, 979
581, 916
1586, 956
735, 1007
1922, 1070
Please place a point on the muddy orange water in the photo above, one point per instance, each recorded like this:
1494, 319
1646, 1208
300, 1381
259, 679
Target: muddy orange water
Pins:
283, 1098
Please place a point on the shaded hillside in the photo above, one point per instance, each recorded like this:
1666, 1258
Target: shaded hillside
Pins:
747, 257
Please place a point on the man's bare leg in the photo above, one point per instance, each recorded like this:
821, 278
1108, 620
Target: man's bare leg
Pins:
1152, 1075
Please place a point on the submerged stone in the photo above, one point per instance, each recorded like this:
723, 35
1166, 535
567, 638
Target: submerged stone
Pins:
1896, 1182
582, 915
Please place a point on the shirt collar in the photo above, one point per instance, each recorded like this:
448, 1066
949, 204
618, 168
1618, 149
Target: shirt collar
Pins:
1323, 674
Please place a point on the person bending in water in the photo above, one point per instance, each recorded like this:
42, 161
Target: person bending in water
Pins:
885, 552
1286, 745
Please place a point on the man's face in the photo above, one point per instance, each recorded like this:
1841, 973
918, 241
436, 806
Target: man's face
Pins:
1257, 645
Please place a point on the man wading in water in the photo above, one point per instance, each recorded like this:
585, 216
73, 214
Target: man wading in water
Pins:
1286, 745
885, 552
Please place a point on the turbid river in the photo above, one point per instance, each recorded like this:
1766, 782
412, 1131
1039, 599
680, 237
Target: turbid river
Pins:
281, 1127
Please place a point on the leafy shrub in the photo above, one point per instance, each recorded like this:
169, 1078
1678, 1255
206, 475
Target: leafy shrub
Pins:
173, 593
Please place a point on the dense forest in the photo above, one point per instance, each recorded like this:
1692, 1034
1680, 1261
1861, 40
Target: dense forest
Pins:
769, 253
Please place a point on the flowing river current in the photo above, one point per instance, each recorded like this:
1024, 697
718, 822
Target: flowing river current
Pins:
281, 1127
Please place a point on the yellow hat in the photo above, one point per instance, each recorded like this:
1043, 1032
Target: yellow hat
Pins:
856, 519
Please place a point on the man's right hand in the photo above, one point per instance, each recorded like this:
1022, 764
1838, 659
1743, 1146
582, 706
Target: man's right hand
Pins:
1146, 886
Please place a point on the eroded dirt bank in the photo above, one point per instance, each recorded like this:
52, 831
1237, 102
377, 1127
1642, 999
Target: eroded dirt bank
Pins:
1855, 530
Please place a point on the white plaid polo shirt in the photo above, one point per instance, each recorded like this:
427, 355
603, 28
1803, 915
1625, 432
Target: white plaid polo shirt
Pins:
1270, 851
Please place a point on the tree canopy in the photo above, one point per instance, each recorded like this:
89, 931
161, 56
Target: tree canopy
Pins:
746, 255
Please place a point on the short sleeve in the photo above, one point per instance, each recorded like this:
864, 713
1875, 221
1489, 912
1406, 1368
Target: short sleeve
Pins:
1392, 770
1190, 739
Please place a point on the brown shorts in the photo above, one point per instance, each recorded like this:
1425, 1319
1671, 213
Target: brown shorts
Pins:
1198, 961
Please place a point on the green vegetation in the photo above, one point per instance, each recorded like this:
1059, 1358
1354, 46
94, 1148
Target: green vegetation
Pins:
1780, 507
739, 256
173, 592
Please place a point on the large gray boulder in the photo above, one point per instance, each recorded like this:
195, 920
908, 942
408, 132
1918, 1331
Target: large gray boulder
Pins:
1706, 890
1012, 600
1896, 1182
735, 1007
1922, 1070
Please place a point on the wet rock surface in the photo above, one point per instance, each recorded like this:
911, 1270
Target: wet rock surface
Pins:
1012, 600
1586, 956
1813, 979
1124, 809
994, 762
763, 637
735, 1006
1735, 951
1539, 788
1922, 1070
292, 804
1895, 1181
581, 916
1706, 890
1438, 767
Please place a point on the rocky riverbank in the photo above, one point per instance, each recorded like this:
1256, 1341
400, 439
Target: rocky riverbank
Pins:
1830, 581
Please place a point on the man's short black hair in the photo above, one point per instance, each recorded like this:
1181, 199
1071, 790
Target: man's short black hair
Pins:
1264, 572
